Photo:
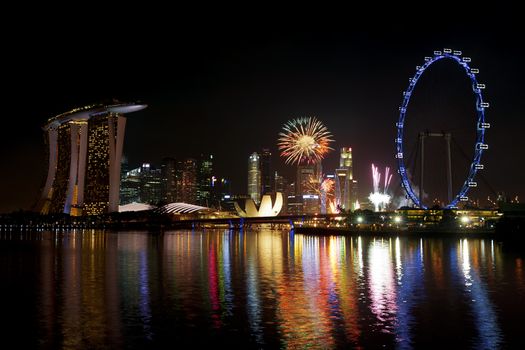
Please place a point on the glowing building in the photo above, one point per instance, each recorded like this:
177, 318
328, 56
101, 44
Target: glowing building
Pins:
345, 185
142, 185
303, 190
130, 187
189, 184
169, 179
150, 184
266, 171
254, 177
85, 150
205, 181
281, 185
266, 209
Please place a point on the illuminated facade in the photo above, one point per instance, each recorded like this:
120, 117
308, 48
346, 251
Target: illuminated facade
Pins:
189, 185
85, 150
130, 187
141, 185
345, 185
266, 209
204, 178
254, 177
150, 184
281, 185
309, 198
294, 202
266, 171
169, 180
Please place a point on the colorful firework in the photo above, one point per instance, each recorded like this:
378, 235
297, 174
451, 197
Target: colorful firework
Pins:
320, 185
325, 189
328, 187
379, 198
304, 140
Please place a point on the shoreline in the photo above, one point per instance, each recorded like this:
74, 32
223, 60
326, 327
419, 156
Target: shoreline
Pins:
331, 231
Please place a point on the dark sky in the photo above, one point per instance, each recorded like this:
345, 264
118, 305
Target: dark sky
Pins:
229, 90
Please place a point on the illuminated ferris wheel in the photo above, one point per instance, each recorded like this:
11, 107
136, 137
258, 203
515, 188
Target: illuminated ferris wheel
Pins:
481, 126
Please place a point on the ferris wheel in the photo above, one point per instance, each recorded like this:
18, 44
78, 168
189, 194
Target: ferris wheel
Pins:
481, 126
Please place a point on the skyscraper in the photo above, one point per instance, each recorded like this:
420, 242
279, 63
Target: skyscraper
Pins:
169, 180
204, 178
130, 187
189, 181
306, 175
344, 182
142, 185
150, 184
266, 171
254, 177
281, 185
179, 174
294, 201
220, 192
85, 150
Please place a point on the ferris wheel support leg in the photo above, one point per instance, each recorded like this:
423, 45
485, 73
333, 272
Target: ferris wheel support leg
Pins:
449, 167
422, 136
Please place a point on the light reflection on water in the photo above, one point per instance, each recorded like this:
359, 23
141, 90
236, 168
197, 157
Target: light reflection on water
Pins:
266, 289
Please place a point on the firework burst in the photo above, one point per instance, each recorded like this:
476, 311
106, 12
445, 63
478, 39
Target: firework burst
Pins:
324, 188
304, 140
320, 185
379, 198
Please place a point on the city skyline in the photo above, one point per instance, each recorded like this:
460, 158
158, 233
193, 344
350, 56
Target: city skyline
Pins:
234, 100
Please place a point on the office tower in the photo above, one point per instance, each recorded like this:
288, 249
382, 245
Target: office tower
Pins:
281, 185
169, 180
150, 185
130, 187
124, 167
179, 172
84, 150
344, 184
254, 177
266, 171
204, 179
306, 189
220, 192
189, 184
142, 185
294, 202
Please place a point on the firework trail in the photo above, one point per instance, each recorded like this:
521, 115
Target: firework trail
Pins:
379, 198
388, 178
376, 178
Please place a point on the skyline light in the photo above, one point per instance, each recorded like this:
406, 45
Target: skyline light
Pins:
216, 96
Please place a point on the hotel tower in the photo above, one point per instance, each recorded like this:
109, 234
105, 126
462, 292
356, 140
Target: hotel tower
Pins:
85, 150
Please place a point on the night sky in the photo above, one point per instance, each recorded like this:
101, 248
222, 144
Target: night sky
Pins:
228, 91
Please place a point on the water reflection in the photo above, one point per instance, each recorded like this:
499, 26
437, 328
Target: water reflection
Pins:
266, 289
382, 287
489, 334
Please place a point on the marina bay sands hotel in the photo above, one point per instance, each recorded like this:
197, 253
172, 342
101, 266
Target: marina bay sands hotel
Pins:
85, 150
